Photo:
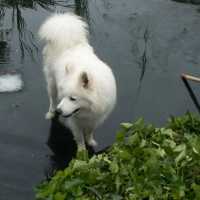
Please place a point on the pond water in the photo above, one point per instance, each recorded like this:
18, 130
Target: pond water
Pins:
148, 44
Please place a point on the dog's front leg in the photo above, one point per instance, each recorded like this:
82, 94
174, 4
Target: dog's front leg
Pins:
53, 92
78, 134
89, 137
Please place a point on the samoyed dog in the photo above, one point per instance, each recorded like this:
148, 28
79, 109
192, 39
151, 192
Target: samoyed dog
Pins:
81, 87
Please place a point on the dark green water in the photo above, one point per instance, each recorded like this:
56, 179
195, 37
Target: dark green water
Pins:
148, 44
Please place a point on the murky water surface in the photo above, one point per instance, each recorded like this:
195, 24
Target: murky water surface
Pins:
148, 44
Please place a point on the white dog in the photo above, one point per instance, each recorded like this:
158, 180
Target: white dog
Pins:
84, 84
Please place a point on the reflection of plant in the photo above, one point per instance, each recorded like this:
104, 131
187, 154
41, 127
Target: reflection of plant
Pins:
82, 9
2, 12
23, 33
4, 50
145, 163
26, 38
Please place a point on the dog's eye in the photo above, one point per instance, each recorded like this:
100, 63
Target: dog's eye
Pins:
72, 99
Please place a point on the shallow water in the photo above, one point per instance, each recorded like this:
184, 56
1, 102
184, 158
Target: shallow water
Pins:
148, 44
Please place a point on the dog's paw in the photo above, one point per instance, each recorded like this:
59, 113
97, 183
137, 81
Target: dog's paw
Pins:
92, 143
50, 115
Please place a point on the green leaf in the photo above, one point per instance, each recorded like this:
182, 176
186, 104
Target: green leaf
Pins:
171, 143
165, 197
72, 183
67, 172
41, 186
178, 194
197, 192
120, 135
132, 196
124, 155
196, 149
177, 185
48, 189
160, 152
93, 159
80, 164
180, 148
171, 134
153, 159
84, 175
50, 197
168, 169
95, 165
117, 181
138, 124
148, 129
93, 175
189, 115
169, 151
138, 164
159, 191
83, 155
180, 157
190, 196
114, 166
116, 197
151, 197
76, 191
60, 196
154, 173
143, 143
126, 125
139, 181
97, 192
138, 151
14, 105
182, 120
133, 139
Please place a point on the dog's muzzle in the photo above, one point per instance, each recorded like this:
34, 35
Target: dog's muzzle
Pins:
58, 111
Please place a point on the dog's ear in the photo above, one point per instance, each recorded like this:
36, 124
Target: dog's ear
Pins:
84, 79
69, 68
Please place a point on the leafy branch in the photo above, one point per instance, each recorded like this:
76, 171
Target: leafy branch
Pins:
145, 163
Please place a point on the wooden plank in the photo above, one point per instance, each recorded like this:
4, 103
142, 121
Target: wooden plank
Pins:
190, 78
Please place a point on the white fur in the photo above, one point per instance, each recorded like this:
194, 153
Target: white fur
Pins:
73, 71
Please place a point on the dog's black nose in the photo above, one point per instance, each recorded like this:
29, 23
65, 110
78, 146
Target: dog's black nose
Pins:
58, 111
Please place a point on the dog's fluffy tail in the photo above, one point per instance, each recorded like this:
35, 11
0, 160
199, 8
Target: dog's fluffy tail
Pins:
64, 31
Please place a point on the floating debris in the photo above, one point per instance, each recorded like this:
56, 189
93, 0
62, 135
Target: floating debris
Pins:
10, 82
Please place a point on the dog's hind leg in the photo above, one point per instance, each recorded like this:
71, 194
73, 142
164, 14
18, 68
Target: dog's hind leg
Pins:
89, 137
53, 92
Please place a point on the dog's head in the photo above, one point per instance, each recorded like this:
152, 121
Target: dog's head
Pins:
73, 92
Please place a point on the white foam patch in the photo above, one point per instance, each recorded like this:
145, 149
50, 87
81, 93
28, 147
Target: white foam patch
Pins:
10, 82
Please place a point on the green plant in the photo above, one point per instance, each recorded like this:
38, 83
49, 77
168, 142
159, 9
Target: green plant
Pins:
145, 163
14, 106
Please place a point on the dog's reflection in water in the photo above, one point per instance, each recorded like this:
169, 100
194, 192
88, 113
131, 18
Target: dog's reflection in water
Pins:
61, 142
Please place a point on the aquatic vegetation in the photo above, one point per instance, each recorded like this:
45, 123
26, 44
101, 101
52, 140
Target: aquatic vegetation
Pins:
14, 106
145, 163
